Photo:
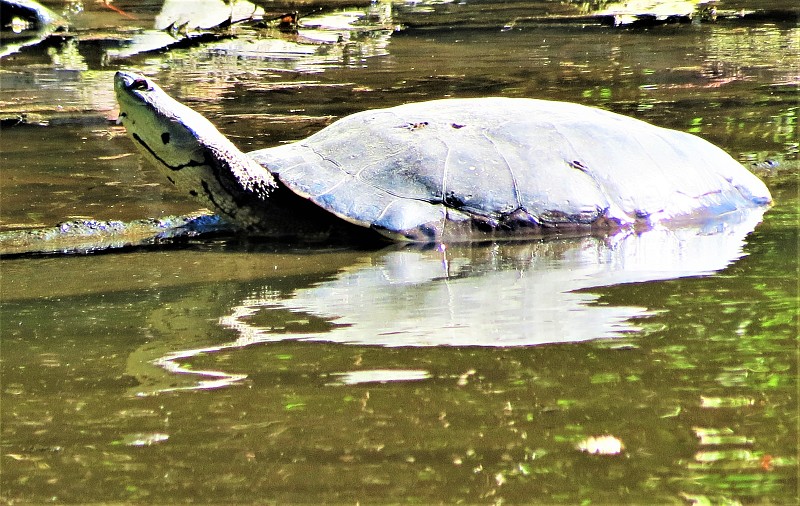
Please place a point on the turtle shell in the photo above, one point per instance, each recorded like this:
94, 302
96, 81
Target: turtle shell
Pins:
457, 168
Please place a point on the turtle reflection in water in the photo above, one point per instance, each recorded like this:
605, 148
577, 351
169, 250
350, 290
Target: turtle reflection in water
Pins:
444, 170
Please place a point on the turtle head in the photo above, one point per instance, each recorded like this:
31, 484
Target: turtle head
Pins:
171, 135
189, 150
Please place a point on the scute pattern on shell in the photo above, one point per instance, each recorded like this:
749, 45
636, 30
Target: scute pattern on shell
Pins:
432, 170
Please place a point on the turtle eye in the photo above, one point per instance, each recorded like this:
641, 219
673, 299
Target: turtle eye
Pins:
140, 85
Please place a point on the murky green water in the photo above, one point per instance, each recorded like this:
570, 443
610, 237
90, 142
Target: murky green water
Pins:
240, 373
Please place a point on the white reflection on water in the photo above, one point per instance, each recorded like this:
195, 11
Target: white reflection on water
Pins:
505, 294
378, 376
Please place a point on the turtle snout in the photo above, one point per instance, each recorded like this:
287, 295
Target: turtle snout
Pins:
122, 79
129, 81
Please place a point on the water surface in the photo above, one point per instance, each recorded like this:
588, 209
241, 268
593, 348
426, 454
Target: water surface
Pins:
239, 372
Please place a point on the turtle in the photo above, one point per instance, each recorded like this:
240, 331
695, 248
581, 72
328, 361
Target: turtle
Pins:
450, 169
